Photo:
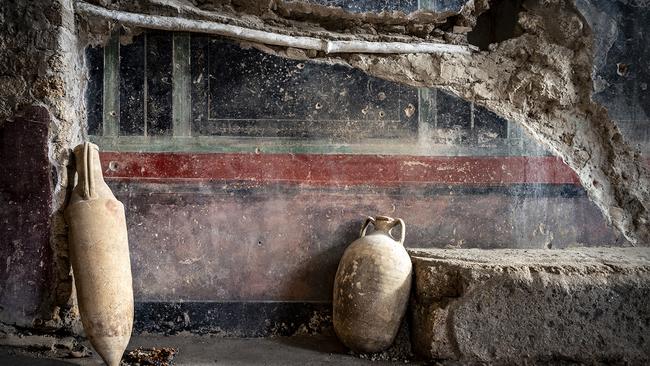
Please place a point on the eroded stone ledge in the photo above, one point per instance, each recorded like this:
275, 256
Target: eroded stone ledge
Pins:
512, 306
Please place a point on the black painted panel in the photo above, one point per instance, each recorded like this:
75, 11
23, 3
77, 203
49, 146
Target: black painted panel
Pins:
242, 319
453, 112
443, 5
256, 94
159, 83
132, 87
488, 125
622, 36
94, 92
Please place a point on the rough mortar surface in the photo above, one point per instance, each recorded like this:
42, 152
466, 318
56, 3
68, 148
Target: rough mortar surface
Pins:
515, 306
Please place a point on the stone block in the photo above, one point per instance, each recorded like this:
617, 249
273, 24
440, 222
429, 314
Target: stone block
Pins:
589, 305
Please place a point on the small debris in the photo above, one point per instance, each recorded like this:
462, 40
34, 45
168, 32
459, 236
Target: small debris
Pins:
80, 351
409, 110
399, 351
150, 357
461, 30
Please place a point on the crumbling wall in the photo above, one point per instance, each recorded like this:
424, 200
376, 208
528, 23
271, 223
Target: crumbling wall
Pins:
42, 78
541, 78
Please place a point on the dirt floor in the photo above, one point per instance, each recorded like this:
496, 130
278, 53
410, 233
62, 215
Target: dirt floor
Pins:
193, 350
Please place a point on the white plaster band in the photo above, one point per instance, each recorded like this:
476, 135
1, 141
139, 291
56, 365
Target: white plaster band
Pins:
393, 47
258, 36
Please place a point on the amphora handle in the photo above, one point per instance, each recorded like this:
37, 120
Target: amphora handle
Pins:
403, 234
364, 227
88, 178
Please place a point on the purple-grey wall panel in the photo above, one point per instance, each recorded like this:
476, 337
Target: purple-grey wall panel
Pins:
216, 241
25, 205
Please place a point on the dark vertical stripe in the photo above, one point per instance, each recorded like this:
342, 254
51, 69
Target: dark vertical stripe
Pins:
94, 98
159, 83
132, 87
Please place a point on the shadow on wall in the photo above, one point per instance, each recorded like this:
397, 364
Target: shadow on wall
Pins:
321, 264
497, 24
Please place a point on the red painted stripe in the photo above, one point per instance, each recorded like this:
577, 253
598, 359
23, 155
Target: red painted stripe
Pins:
336, 170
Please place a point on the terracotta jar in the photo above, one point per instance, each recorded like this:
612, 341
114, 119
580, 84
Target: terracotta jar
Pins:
372, 287
99, 253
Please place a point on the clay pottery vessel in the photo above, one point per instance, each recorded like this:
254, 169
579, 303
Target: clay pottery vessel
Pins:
99, 253
372, 287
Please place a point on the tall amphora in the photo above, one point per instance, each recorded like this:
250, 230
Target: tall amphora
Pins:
99, 253
372, 287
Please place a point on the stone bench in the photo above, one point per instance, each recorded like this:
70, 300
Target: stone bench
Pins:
513, 306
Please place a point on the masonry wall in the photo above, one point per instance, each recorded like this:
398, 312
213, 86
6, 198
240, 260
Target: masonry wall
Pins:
41, 115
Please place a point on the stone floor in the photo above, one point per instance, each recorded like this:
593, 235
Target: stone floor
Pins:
307, 350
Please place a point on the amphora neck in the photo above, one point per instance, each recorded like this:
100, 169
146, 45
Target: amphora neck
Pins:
383, 225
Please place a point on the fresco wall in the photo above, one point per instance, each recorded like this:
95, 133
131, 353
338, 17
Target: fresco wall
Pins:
245, 175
